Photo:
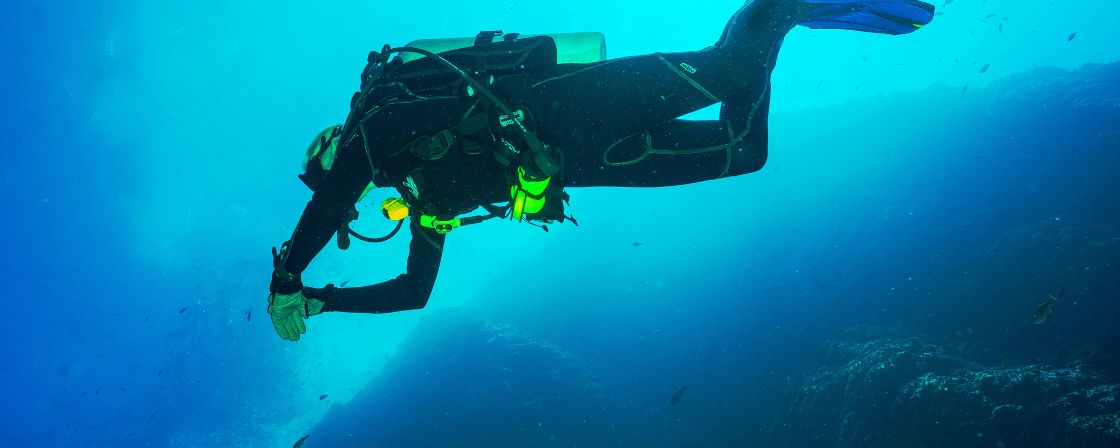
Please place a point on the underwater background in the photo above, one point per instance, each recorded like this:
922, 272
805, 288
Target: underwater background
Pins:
872, 286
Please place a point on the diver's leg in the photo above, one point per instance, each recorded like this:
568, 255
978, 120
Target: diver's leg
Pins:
611, 109
621, 103
677, 152
737, 70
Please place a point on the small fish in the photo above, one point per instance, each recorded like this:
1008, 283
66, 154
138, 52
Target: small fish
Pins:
343, 284
965, 89
160, 372
249, 315
98, 392
322, 397
948, 2
183, 309
147, 318
637, 244
985, 68
990, 15
1047, 307
301, 441
676, 399
1001, 27
1071, 37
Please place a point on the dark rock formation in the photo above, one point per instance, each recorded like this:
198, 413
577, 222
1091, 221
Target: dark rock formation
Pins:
463, 381
890, 390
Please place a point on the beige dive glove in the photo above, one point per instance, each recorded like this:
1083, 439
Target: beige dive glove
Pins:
288, 312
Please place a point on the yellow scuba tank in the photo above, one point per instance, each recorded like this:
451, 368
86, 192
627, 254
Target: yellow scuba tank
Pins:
571, 48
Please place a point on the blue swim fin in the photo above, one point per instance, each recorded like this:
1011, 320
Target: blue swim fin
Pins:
872, 16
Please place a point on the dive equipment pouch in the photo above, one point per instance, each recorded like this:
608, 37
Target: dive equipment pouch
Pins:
528, 195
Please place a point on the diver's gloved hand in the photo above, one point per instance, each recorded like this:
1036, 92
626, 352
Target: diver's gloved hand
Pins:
287, 304
288, 312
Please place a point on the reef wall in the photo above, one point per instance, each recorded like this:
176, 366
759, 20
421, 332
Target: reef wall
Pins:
886, 389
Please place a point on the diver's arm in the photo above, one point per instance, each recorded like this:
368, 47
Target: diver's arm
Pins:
396, 125
340, 190
409, 291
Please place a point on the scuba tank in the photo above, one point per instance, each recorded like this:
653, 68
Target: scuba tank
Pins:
571, 48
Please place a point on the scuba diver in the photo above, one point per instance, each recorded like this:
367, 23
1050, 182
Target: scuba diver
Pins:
505, 123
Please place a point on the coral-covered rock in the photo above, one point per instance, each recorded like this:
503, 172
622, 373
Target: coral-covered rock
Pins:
894, 390
985, 406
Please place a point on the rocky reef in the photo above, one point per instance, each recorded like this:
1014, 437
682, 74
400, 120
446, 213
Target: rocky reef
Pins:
886, 389
462, 380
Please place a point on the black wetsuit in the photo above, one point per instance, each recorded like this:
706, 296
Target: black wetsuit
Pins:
615, 121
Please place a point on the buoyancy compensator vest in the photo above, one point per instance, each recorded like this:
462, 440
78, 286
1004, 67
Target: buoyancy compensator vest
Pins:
533, 168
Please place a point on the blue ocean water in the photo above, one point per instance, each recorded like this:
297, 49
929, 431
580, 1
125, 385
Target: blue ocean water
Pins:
873, 285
